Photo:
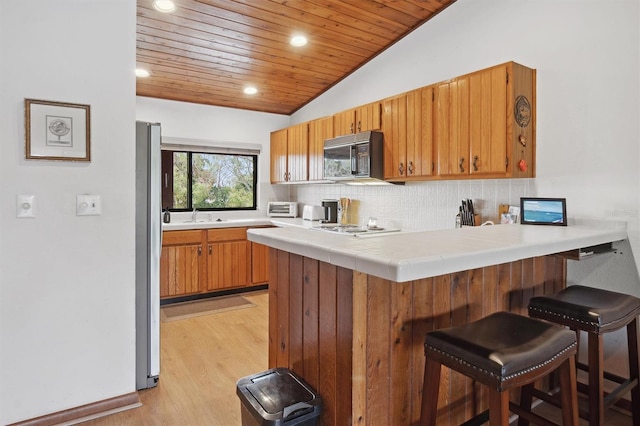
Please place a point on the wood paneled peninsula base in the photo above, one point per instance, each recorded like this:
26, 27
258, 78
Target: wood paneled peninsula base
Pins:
357, 338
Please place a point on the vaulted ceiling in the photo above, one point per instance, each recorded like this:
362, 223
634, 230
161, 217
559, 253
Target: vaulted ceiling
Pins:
208, 51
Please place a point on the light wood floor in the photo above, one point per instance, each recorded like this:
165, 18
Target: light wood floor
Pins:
201, 360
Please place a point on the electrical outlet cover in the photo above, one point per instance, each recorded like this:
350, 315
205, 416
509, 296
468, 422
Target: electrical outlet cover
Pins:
88, 205
25, 206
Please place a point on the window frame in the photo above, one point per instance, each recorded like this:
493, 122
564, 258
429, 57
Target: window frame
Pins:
167, 178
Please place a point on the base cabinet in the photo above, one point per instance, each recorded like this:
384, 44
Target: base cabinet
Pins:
181, 263
259, 263
228, 259
205, 261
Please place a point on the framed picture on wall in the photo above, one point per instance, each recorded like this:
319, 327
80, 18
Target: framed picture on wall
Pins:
57, 131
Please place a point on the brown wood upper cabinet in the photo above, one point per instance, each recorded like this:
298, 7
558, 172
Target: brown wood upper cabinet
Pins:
407, 122
479, 125
319, 130
484, 124
356, 120
290, 154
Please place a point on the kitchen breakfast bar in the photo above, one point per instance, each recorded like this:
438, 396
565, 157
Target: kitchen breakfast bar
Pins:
349, 313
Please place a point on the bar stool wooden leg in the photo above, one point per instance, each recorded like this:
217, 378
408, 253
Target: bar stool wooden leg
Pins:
596, 379
569, 392
526, 399
431, 386
634, 369
498, 408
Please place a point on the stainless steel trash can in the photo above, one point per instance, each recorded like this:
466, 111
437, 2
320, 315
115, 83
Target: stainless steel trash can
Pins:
278, 397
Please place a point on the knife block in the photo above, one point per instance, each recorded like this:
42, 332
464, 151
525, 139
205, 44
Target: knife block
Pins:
476, 221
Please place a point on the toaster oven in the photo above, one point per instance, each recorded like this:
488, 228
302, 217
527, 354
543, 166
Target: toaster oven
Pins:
282, 209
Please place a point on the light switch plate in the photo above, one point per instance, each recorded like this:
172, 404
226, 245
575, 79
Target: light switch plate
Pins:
88, 205
25, 206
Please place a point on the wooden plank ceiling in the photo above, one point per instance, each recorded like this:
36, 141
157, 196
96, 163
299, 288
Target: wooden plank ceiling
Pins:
207, 51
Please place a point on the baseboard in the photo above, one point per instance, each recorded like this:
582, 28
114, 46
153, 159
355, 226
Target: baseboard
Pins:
240, 291
86, 412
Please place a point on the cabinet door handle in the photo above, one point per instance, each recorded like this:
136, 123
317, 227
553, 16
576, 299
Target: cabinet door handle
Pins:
475, 163
351, 128
359, 125
401, 168
199, 250
410, 168
460, 165
210, 250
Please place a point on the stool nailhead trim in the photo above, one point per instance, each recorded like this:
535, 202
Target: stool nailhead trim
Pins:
590, 323
502, 379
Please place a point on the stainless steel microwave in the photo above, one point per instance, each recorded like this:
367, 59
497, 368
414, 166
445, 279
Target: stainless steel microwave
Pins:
354, 157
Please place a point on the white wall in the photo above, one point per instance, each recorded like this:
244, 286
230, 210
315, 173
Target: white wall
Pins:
67, 328
210, 124
587, 56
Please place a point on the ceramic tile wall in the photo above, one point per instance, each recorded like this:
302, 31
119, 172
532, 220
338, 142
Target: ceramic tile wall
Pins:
420, 206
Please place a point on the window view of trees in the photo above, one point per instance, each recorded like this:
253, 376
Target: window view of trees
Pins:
213, 181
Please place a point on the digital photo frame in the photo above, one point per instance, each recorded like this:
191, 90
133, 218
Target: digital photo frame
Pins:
543, 211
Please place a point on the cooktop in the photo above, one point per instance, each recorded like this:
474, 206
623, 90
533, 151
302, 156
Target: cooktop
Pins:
351, 229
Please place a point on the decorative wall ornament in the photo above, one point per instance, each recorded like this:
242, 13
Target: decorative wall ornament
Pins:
57, 131
522, 111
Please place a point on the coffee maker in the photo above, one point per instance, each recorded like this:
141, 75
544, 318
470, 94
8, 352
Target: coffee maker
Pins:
330, 211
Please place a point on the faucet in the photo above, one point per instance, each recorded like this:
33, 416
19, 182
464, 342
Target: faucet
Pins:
194, 215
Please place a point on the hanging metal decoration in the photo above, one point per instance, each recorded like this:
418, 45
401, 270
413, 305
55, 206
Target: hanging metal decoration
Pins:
522, 113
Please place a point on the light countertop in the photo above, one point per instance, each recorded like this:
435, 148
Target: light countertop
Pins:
180, 225
406, 256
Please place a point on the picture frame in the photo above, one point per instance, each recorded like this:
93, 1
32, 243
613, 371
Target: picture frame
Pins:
543, 211
57, 131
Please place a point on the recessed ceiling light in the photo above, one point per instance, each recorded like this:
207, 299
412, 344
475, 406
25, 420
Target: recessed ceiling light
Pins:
250, 90
142, 72
164, 6
298, 40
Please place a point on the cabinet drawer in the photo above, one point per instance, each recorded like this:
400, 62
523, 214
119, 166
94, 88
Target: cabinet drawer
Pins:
227, 234
181, 237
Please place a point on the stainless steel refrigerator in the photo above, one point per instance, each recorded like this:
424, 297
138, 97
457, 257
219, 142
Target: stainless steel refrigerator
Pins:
148, 249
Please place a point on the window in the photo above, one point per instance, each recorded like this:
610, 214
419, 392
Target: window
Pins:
208, 181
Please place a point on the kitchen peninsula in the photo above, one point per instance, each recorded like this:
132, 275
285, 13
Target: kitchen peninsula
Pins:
349, 314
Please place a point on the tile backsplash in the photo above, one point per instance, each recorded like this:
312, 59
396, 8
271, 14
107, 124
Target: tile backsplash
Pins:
418, 206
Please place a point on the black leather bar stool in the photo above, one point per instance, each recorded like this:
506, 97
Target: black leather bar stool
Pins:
502, 351
597, 312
